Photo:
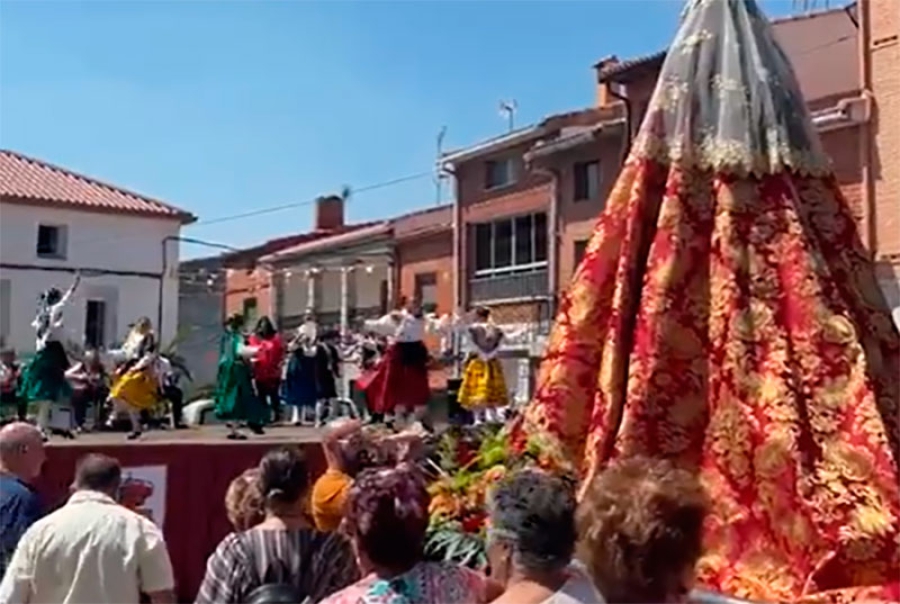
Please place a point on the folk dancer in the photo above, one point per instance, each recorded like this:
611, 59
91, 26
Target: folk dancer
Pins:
401, 379
135, 383
299, 383
267, 365
236, 398
43, 380
370, 353
483, 390
328, 371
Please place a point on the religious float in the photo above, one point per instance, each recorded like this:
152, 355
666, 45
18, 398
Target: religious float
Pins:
725, 316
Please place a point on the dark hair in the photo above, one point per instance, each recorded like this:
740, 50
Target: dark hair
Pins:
235, 322
535, 511
283, 476
641, 527
387, 514
274, 593
483, 313
52, 296
264, 328
97, 472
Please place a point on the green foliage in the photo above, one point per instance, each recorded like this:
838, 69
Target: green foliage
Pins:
447, 542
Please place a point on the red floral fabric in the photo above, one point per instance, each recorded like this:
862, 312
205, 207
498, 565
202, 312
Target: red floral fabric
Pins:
735, 324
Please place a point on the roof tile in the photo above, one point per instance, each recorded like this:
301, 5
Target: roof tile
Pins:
30, 180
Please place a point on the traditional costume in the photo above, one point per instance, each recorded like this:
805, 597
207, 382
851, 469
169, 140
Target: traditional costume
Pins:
483, 390
299, 383
236, 398
267, 365
401, 378
727, 316
43, 381
135, 387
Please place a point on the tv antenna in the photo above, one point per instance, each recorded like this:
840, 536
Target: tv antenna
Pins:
438, 165
508, 110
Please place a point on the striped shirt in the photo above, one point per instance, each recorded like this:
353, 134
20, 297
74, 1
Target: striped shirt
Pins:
316, 564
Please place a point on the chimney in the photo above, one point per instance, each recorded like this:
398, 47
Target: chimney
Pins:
329, 213
604, 96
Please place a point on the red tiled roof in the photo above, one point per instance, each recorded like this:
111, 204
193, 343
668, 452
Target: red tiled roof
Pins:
423, 222
24, 179
347, 235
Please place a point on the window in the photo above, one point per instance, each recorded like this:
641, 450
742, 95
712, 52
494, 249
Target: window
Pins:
580, 249
426, 290
51, 241
499, 173
511, 245
5, 301
250, 311
587, 180
95, 324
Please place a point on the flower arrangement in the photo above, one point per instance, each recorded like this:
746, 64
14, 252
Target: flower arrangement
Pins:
464, 464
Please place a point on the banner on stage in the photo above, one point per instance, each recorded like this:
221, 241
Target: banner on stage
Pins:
144, 491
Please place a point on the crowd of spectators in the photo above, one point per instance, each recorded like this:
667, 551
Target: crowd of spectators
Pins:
635, 536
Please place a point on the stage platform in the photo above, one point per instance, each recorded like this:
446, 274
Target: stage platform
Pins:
200, 435
183, 476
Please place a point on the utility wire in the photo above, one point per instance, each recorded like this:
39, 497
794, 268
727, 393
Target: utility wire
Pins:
288, 206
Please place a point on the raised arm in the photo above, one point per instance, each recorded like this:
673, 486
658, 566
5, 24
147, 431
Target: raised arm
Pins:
331, 442
385, 326
68, 295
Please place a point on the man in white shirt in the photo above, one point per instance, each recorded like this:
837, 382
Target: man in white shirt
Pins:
91, 550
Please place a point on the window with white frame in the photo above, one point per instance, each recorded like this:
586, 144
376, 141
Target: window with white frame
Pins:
51, 241
499, 173
587, 180
511, 245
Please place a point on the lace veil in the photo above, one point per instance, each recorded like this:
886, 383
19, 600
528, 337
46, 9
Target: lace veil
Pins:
727, 98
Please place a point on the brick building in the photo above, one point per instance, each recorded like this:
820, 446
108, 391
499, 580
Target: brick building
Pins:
423, 251
879, 55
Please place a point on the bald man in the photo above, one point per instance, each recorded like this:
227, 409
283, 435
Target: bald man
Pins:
21, 457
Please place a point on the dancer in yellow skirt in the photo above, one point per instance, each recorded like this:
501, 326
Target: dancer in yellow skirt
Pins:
483, 390
135, 387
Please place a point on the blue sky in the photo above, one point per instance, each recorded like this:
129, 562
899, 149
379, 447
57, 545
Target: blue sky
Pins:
223, 107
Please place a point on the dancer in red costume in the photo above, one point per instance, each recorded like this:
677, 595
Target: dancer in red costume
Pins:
727, 316
400, 380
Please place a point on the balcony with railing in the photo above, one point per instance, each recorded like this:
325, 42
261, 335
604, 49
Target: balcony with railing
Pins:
518, 285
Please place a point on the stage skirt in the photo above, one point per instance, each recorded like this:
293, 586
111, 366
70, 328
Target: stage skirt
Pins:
299, 387
44, 377
137, 388
400, 379
235, 396
483, 385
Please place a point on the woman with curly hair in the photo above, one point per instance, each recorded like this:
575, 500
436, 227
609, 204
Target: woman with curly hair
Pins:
386, 519
243, 501
641, 531
531, 541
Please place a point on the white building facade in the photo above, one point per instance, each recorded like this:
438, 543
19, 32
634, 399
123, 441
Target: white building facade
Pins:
55, 223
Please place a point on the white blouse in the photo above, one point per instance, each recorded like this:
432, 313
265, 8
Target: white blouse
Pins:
403, 326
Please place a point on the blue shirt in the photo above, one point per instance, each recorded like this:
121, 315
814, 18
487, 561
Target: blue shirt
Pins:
20, 506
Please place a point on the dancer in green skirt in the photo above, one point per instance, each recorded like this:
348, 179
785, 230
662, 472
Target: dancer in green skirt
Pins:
236, 397
43, 380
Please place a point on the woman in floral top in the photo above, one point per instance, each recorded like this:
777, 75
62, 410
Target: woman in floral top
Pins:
386, 518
